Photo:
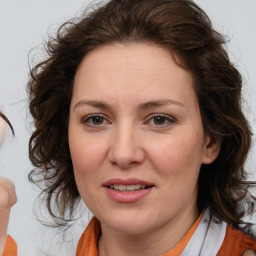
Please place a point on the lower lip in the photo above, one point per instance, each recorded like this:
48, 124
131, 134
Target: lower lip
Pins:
127, 197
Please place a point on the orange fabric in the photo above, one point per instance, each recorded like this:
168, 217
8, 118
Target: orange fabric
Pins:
88, 243
236, 242
10, 247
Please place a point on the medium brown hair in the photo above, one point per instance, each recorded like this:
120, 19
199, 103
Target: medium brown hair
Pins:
183, 28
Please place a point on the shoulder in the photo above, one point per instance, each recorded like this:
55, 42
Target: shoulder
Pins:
236, 243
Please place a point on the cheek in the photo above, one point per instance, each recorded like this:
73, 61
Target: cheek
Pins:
86, 155
82, 158
177, 156
86, 158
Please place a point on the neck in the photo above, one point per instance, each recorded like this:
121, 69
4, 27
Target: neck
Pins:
154, 242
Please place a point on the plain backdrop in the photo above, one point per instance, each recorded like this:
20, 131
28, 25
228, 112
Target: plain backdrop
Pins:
24, 24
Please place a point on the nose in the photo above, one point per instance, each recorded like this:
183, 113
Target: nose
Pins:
126, 148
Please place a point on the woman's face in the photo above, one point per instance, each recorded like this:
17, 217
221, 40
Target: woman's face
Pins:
136, 138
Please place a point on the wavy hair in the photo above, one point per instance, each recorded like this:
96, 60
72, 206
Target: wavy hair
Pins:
183, 28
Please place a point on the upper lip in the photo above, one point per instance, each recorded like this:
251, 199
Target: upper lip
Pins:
131, 181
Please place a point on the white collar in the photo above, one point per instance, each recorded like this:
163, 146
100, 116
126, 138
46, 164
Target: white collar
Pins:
208, 237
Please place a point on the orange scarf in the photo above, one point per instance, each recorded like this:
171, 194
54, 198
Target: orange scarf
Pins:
10, 247
235, 241
88, 243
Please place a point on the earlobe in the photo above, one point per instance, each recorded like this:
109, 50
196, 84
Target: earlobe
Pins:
212, 149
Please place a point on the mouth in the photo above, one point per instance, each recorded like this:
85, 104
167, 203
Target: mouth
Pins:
128, 188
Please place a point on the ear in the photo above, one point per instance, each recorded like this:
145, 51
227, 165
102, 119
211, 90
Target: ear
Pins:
212, 149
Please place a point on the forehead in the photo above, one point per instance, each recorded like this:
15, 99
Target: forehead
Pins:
132, 68
131, 57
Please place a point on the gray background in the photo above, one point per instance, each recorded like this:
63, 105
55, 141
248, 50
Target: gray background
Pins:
23, 25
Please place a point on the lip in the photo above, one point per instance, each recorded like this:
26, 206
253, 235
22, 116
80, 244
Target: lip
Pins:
126, 182
127, 196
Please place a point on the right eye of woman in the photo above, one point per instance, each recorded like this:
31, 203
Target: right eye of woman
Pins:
95, 120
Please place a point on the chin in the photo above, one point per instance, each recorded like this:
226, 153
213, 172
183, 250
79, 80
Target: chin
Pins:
130, 225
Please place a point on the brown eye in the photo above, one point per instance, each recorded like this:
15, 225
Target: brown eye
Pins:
159, 120
95, 120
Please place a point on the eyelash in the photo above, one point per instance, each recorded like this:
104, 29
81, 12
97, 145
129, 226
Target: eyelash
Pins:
88, 120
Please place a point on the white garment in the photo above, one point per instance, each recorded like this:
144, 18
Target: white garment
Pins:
208, 237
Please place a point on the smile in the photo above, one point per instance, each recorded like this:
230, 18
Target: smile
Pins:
127, 188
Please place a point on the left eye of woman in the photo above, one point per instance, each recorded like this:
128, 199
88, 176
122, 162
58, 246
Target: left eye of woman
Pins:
161, 120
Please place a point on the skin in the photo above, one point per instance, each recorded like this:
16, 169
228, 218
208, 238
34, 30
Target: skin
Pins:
7, 198
249, 253
148, 127
2, 129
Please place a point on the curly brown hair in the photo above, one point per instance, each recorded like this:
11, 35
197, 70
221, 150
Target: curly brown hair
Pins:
183, 28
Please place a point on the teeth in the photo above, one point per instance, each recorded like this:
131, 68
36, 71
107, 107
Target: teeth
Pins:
127, 187
131, 187
138, 186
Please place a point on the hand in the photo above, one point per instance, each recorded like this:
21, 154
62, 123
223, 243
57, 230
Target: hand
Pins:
7, 199
2, 128
7, 194
249, 252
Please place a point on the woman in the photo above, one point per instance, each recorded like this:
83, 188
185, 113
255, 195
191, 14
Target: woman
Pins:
7, 200
137, 112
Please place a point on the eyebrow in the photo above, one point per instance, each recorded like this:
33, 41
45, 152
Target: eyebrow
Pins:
159, 103
93, 103
143, 106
